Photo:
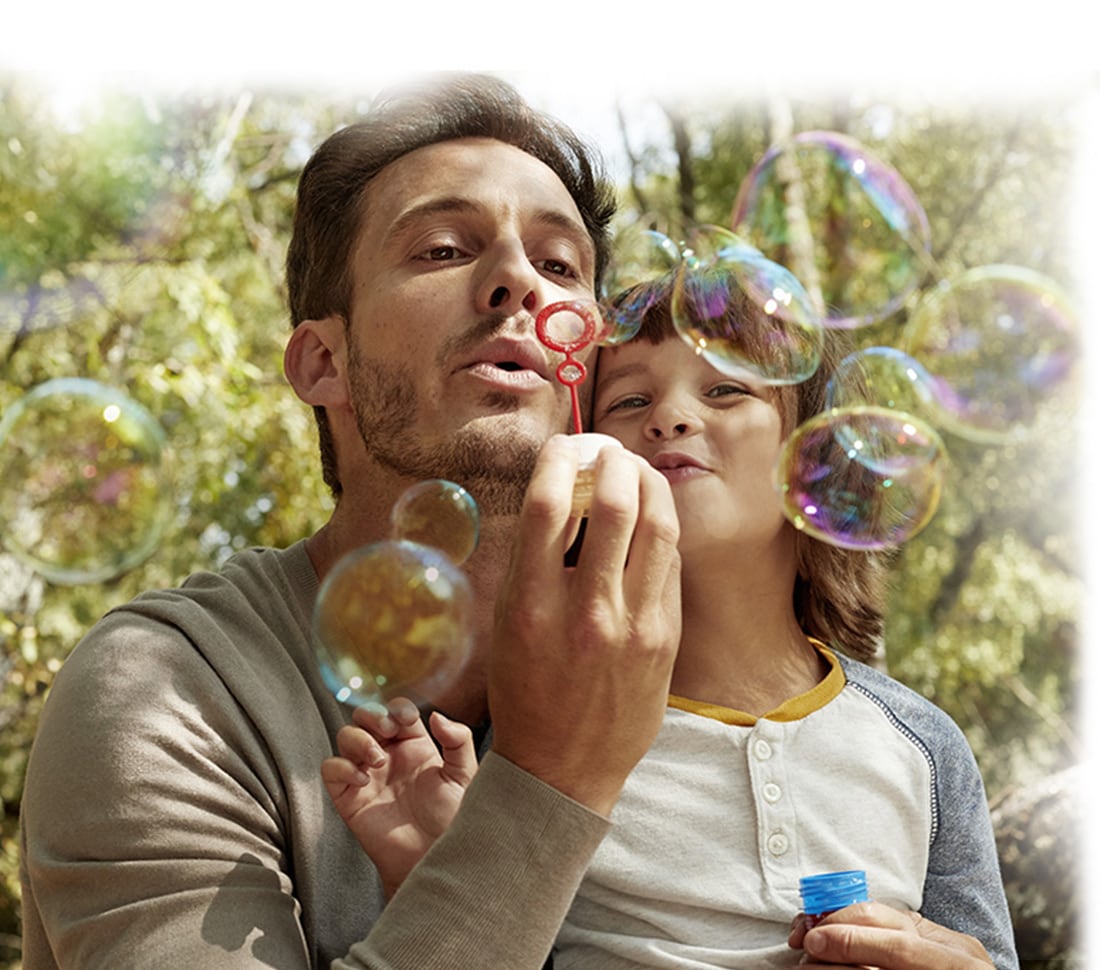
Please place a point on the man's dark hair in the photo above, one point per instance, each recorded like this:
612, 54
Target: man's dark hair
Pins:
332, 188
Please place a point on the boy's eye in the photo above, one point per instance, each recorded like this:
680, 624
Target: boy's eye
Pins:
628, 402
722, 390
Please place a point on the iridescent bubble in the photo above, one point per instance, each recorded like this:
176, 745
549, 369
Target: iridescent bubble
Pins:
393, 618
1002, 344
638, 274
742, 312
85, 495
884, 376
440, 514
846, 223
862, 477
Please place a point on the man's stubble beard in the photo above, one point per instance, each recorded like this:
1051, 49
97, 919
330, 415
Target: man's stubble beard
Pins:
491, 459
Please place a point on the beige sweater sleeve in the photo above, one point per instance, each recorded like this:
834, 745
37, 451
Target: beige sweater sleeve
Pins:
493, 891
174, 813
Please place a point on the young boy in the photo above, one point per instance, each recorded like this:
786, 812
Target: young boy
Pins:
781, 754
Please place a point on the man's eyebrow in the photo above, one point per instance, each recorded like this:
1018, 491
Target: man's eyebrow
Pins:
556, 219
552, 218
418, 213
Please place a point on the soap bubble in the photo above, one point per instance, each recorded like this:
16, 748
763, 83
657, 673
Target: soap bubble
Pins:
1001, 343
393, 618
440, 514
638, 275
85, 494
847, 224
742, 312
883, 376
862, 477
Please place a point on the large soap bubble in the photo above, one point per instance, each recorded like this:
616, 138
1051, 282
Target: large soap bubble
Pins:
742, 312
1001, 344
843, 221
85, 491
395, 617
863, 477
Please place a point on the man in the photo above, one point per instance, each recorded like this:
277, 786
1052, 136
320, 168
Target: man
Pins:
173, 811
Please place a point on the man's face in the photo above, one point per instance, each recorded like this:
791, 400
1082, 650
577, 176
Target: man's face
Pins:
462, 244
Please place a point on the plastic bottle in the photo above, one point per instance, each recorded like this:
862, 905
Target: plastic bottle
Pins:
829, 891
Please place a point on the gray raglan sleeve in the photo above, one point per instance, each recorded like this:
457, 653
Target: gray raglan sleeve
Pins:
963, 888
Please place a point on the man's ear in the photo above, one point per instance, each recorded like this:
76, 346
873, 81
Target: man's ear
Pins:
315, 362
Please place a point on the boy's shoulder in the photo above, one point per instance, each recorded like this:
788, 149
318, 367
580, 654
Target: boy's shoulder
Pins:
910, 711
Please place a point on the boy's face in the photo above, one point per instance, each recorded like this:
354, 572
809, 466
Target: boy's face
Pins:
716, 439
462, 244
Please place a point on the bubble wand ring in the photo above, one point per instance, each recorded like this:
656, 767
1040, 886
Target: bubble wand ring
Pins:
571, 371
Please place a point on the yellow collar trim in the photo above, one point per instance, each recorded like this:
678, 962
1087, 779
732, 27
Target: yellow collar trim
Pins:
792, 709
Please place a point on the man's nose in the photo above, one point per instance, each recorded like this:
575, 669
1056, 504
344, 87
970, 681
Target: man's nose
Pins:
510, 282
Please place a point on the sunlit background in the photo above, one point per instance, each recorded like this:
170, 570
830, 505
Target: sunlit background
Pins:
607, 72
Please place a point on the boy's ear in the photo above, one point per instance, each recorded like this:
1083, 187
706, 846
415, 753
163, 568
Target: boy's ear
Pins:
315, 362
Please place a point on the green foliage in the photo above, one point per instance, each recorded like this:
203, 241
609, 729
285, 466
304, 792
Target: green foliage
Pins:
143, 244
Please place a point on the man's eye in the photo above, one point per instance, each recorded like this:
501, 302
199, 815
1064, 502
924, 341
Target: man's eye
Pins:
557, 267
441, 253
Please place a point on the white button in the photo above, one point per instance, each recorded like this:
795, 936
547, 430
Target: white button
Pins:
778, 843
772, 792
762, 749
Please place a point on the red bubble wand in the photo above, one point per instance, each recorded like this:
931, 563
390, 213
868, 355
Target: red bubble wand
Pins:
571, 371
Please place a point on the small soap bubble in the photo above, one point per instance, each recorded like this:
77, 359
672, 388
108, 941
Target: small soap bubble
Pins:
393, 618
846, 223
742, 312
85, 493
883, 376
440, 514
1001, 343
638, 275
862, 477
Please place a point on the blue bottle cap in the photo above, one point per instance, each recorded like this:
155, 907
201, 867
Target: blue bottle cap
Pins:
829, 891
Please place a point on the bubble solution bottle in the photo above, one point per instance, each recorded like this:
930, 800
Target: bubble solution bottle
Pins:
829, 891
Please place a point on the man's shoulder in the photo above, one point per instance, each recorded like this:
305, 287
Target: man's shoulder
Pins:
235, 620
259, 582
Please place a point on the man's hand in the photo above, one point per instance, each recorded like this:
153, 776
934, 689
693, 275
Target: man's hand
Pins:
582, 657
872, 935
393, 788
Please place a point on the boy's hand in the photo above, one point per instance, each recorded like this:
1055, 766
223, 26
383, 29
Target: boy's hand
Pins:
875, 935
393, 788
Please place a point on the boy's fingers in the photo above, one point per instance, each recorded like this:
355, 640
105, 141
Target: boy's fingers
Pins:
399, 719
456, 742
339, 773
359, 747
